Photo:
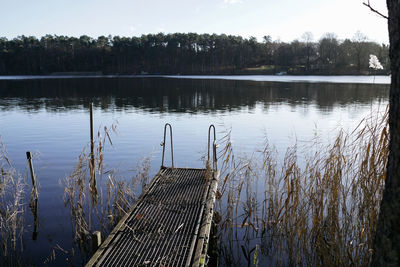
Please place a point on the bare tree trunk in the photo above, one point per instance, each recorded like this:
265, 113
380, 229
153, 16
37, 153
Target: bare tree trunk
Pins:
387, 239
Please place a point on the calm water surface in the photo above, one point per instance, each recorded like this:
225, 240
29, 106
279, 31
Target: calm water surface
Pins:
51, 116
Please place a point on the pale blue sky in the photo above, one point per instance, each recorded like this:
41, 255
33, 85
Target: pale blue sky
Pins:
282, 19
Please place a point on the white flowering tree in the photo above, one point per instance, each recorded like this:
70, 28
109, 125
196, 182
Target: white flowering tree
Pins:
374, 64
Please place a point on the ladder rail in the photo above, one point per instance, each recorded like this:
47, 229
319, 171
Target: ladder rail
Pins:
211, 134
214, 161
167, 125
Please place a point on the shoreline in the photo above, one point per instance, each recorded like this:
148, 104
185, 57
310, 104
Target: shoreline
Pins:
364, 79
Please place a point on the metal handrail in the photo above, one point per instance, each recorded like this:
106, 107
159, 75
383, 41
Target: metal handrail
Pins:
214, 148
163, 145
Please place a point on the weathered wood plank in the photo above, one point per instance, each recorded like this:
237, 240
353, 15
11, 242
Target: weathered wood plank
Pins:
169, 224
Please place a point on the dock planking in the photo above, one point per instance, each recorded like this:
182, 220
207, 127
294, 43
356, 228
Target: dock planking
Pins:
169, 225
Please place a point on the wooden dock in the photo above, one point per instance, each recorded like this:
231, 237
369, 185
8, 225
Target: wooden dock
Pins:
170, 223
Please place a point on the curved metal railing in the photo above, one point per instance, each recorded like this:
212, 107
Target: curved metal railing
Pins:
214, 160
163, 145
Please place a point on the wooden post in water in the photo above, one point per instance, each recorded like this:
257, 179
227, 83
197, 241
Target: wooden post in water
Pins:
96, 240
34, 209
29, 158
92, 168
34, 201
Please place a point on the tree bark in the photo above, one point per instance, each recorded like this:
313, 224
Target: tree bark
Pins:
387, 239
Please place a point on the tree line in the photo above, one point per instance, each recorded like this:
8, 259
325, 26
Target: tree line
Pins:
189, 53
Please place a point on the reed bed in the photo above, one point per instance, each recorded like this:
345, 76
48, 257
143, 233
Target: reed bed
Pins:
97, 198
318, 207
12, 188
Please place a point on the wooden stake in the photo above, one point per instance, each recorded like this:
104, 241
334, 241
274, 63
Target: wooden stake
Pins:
91, 130
92, 169
34, 209
29, 157
96, 240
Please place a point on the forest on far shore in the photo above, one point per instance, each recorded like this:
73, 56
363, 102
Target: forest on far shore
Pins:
190, 53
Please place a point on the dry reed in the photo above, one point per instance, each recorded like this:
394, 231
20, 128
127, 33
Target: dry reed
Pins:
12, 189
320, 212
92, 209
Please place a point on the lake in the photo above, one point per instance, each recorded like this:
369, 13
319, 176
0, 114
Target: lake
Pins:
50, 116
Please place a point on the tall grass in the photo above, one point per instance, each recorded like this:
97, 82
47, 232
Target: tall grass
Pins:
12, 189
320, 207
99, 201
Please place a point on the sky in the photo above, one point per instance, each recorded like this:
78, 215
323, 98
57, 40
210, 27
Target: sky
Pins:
284, 20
